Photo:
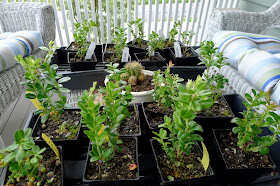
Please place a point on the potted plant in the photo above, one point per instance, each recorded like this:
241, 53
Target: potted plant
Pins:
165, 88
244, 149
112, 53
140, 81
220, 112
138, 44
28, 164
152, 58
188, 56
77, 56
42, 82
109, 157
177, 159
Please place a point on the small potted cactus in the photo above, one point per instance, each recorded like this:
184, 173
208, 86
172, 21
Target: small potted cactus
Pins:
140, 81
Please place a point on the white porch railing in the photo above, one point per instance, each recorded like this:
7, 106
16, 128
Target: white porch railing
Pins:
158, 15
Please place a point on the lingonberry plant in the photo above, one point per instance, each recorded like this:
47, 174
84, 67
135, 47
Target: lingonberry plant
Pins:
42, 81
211, 57
183, 130
249, 127
186, 37
81, 37
155, 42
136, 28
119, 41
166, 87
172, 34
23, 159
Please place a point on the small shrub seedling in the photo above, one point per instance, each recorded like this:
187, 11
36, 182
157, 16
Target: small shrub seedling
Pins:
119, 41
183, 130
155, 42
186, 37
43, 81
138, 33
81, 37
249, 127
23, 159
166, 87
134, 73
172, 34
213, 58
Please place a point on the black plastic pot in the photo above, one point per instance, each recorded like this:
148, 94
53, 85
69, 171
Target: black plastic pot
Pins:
192, 60
71, 47
35, 122
242, 175
160, 62
81, 65
156, 129
5, 171
113, 182
135, 49
191, 181
165, 53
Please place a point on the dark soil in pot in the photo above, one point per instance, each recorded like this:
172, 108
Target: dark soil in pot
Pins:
190, 165
52, 164
131, 125
235, 157
118, 167
146, 60
51, 127
219, 109
145, 85
155, 114
144, 45
110, 57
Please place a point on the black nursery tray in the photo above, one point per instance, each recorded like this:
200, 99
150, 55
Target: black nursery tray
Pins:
75, 156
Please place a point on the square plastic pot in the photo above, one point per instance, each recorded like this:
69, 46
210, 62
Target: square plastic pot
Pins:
81, 65
159, 63
192, 60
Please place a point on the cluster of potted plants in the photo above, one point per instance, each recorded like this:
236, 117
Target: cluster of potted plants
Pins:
156, 51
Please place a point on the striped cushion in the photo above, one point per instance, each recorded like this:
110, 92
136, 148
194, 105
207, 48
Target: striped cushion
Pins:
260, 68
234, 44
19, 43
5, 35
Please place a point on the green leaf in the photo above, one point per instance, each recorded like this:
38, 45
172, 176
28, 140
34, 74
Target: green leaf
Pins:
107, 153
120, 118
10, 157
64, 79
236, 130
19, 135
30, 96
34, 160
45, 118
20, 155
64, 90
264, 150
170, 178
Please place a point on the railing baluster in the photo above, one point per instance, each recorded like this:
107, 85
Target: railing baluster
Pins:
108, 22
194, 18
189, 14
224, 4
64, 21
115, 14
135, 13
150, 17
101, 20
78, 10
69, 3
176, 10
94, 19
156, 15
57, 23
163, 16
122, 13
169, 17
143, 12
182, 19
236, 2
202, 2
86, 16
210, 9
128, 19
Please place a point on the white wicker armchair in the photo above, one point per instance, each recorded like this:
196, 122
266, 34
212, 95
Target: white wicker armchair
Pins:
238, 20
16, 17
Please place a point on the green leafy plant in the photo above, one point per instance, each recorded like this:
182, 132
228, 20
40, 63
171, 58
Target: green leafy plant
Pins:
155, 42
138, 33
23, 159
183, 130
42, 82
186, 37
249, 127
103, 124
166, 87
133, 73
172, 34
119, 41
211, 57
81, 37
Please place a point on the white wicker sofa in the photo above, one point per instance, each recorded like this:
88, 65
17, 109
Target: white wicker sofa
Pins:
15, 17
238, 20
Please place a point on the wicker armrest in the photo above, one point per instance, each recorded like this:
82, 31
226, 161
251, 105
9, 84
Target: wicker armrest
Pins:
28, 16
238, 20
